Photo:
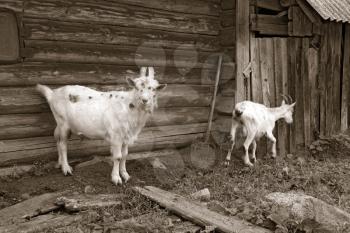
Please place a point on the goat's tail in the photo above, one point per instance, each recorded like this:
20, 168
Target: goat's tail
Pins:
45, 91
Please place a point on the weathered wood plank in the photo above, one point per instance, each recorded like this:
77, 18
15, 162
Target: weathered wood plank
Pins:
242, 47
27, 74
292, 56
42, 223
9, 41
43, 124
28, 100
287, 3
228, 4
153, 138
256, 84
224, 105
313, 58
28, 208
74, 52
306, 83
322, 81
274, 5
119, 14
301, 25
42, 29
197, 213
281, 76
345, 110
312, 15
266, 67
299, 94
269, 24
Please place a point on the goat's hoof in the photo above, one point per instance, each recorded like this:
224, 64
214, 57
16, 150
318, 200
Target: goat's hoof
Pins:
227, 163
273, 156
67, 170
117, 180
126, 177
253, 160
249, 164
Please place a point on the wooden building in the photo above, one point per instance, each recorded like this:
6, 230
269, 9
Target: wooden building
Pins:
294, 47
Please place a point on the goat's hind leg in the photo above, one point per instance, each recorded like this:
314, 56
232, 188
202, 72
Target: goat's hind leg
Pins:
253, 156
247, 142
61, 135
233, 140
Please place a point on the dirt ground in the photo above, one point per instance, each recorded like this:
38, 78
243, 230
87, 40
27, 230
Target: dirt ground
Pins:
238, 189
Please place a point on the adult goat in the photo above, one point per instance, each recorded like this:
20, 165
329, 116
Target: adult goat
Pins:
116, 116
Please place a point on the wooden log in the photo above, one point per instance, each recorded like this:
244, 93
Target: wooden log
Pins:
43, 124
228, 4
227, 36
29, 208
154, 138
345, 112
27, 74
43, 223
227, 18
224, 105
43, 29
274, 5
197, 213
14, 5
182, 6
28, 100
268, 19
113, 13
336, 70
53, 51
306, 85
80, 202
242, 47
9, 41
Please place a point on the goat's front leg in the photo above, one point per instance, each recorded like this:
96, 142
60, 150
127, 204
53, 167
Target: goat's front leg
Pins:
116, 150
253, 151
233, 140
246, 144
273, 140
122, 165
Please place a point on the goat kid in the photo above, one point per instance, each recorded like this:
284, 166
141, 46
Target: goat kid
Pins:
257, 120
116, 116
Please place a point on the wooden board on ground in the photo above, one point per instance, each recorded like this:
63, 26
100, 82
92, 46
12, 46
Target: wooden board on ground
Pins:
30, 208
197, 213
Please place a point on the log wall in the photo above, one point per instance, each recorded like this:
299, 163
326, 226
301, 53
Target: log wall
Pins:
98, 44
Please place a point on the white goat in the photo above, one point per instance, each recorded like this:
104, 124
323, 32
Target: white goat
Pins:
257, 120
116, 116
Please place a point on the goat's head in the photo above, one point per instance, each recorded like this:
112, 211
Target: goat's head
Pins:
146, 88
288, 109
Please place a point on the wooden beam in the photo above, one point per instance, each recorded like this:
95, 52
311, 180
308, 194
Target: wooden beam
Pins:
287, 3
345, 106
197, 213
274, 5
312, 15
242, 47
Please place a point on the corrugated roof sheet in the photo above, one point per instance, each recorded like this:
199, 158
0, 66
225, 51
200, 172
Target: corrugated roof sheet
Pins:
334, 10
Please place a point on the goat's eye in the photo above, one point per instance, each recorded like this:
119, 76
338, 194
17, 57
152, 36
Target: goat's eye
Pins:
141, 90
149, 88
142, 84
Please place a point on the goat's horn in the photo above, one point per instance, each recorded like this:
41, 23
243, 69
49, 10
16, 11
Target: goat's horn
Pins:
285, 98
143, 71
290, 98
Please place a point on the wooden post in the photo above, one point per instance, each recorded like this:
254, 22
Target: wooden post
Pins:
346, 81
242, 47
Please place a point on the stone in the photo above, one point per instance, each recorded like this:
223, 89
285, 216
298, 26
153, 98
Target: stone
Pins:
203, 195
310, 214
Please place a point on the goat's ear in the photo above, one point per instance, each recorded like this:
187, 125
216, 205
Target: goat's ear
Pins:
150, 72
161, 87
131, 82
143, 71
